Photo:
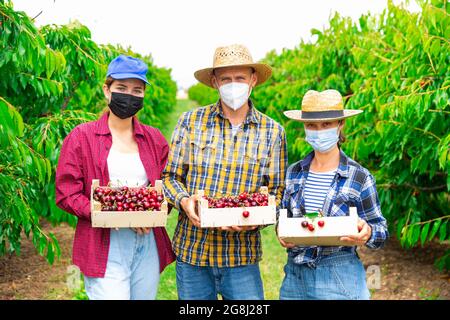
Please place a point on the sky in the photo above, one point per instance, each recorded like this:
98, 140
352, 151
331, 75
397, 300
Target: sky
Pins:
183, 35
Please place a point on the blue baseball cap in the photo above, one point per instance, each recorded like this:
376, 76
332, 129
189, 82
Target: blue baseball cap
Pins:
126, 67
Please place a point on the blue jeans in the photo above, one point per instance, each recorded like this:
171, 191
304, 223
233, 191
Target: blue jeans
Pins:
232, 283
132, 270
339, 276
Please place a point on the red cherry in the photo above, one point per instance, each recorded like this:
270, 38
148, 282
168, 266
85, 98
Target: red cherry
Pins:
243, 196
245, 214
160, 198
310, 227
321, 223
120, 208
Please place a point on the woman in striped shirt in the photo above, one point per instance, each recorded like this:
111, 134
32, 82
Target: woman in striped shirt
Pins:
329, 181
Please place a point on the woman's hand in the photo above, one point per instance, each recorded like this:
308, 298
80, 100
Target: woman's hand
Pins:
365, 232
142, 231
287, 245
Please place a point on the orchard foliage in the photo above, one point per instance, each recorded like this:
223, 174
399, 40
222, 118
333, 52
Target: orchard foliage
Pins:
202, 94
396, 67
51, 80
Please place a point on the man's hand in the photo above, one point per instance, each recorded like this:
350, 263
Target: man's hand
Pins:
142, 231
238, 229
189, 206
360, 239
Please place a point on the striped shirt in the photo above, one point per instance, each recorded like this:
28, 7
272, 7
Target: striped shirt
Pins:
204, 155
351, 186
316, 189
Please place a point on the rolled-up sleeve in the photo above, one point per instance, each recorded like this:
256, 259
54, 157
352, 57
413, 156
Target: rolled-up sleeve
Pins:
277, 168
369, 209
69, 180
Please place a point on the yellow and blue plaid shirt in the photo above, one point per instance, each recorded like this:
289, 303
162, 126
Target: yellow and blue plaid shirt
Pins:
205, 155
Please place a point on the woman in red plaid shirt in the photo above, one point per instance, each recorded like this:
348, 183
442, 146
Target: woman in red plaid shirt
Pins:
116, 263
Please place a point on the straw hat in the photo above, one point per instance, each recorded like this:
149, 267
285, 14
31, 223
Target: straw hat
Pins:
233, 56
321, 106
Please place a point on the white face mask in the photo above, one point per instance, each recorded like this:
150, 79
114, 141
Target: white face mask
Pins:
235, 94
322, 140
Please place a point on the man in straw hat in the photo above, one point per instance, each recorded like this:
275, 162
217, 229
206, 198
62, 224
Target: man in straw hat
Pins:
226, 148
328, 181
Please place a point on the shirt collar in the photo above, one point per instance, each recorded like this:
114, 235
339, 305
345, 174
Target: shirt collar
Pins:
252, 115
342, 169
103, 128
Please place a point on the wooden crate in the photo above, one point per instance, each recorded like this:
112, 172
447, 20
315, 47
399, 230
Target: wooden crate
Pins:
128, 219
226, 217
291, 230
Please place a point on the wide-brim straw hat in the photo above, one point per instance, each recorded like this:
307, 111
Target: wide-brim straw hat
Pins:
235, 55
321, 106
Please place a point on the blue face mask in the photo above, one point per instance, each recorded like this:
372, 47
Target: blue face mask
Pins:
322, 140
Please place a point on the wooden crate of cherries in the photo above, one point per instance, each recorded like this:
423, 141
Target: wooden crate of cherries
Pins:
126, 207
316, 229
246, 209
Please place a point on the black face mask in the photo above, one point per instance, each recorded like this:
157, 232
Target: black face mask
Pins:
125, 105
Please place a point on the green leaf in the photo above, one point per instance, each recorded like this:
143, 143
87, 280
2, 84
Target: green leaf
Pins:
435, 47
435, 229
50, 253
443, 231
414, 235
424, 233
312, 215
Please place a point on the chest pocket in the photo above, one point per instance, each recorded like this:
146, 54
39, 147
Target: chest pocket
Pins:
257, 156
341, 205
204, 152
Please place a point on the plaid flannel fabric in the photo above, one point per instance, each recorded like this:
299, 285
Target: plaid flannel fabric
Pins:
204, 155
352, 185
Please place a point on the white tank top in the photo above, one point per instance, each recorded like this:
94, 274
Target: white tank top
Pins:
126, 169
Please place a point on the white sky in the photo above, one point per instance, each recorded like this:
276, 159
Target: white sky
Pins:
183, 35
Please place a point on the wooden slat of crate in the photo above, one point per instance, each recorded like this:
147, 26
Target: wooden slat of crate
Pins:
226, 217
128, 219
290, 229
133, 219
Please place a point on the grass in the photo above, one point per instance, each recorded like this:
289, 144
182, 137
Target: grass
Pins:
181, 106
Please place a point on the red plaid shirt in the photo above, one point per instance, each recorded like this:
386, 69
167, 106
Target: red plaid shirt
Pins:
83, 158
